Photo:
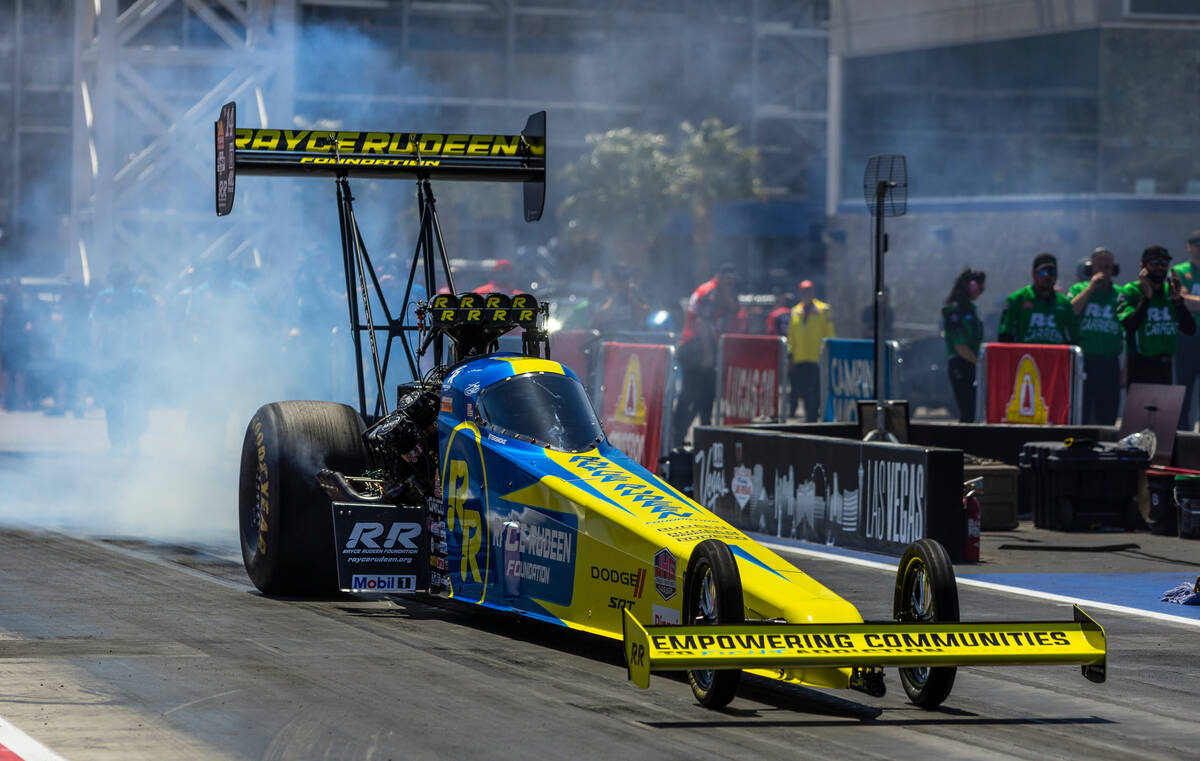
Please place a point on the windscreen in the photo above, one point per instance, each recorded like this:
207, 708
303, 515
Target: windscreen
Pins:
545, 408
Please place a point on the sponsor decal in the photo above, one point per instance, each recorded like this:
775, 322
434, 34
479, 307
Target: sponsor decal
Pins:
742, 485
627, 489
536, 550
620, 603
748, 393
377, 583
366, 535
635, 580
1026, 404
712, 475
424, 144
447, 404
472, 389
497, 439
857, 642
895, 500
664, 573
632, 405
664, 616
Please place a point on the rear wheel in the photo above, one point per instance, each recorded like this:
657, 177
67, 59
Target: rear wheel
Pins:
713, 595
926, 591
284, 517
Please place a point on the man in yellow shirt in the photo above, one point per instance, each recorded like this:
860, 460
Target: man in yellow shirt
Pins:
812, 322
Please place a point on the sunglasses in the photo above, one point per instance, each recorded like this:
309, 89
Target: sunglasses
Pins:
1046, 272
1160, 262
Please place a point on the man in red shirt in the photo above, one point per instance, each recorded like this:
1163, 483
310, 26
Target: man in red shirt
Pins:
712, 311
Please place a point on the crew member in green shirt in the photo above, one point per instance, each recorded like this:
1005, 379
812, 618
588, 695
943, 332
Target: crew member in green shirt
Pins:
1100, 338
1037, 314
1153, 314
1187, 355
964, 334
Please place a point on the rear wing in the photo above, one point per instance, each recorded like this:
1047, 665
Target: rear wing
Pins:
675, 648
414, 155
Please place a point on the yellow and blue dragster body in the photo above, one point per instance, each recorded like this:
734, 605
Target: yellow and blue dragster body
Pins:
547, 519
488, 478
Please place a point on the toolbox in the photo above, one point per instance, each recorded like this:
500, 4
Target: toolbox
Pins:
1086, 486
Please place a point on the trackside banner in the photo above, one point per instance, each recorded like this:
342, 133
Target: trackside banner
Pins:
675, 648
848, 375
1030, 383
750, 375
636, 391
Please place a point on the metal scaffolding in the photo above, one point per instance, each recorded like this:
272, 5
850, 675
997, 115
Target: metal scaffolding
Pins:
150, 76
34, 122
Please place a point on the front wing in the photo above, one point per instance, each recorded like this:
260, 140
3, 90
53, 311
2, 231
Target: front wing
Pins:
769, 645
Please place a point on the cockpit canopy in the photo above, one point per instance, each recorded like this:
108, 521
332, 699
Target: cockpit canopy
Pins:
548, 409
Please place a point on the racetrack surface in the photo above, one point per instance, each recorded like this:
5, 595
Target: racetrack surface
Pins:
130, 650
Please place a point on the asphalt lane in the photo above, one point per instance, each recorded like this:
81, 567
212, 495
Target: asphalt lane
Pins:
121, 649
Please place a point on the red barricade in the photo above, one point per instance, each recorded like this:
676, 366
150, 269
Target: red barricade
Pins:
1030, 383
751, 371
636, 390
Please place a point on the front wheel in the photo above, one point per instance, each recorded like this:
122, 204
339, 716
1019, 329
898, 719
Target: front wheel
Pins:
926, 591
712, 594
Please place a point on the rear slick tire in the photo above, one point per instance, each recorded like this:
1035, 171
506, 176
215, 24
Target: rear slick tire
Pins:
926, 591
712, 594
284, 517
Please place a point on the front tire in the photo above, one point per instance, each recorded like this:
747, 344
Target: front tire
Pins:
712, 593
926, 591
284, 517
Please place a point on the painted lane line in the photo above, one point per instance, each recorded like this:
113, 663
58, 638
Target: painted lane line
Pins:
1084, 603
15, 745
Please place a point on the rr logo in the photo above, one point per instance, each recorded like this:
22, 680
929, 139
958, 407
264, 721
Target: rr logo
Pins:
469, 520
1039, 320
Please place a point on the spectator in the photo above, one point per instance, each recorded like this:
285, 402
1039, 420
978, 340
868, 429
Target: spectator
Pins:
964, 334
1187, 366
811, 323
122, 318
712, 311
1153, 314
1094, 303
1037, 314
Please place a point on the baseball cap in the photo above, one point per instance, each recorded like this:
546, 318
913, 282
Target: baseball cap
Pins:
805, 284
1155, 252
1044, 259
1194, 238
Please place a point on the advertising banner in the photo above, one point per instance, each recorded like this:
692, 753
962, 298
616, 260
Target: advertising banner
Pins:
848, 375
1033, 384
635, 398
849, 493
751, 371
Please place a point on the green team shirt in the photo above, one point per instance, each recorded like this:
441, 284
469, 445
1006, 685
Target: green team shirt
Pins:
1190, 277
962, 326
1031, 320
1159, 334
1100, 332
